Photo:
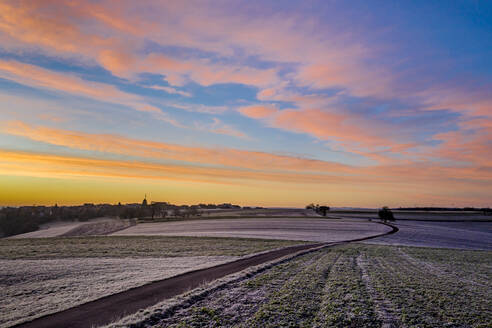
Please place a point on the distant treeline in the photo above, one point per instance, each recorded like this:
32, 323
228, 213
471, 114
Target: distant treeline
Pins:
457, 209
17, 220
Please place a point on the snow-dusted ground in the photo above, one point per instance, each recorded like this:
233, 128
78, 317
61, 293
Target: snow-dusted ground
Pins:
53, 230
416, 215
99, 226
462, 235
310, 229
32, 288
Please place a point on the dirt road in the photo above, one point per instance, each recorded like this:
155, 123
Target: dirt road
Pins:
107, 309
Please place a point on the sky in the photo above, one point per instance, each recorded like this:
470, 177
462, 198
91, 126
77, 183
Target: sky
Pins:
270, 103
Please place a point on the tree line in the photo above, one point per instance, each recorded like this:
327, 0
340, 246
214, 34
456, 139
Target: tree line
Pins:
17, 220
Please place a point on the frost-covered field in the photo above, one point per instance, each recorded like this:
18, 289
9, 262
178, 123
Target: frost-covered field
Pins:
31, 288
50, 230
461, 235
45, 275
347, 286
415, 215
99, 226
311, 229
134, 247
286, 212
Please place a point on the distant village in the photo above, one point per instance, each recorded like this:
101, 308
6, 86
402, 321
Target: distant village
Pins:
15, 220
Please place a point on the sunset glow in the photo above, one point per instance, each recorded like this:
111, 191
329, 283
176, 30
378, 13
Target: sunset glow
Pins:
286, 103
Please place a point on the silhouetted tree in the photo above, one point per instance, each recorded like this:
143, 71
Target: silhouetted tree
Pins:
385, 214
323, 210
14, 221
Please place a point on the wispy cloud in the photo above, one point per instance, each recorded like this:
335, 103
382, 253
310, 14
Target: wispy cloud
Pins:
38, 77
159, 150
199, 108
221, 128
296, 73
171, 90
244, 159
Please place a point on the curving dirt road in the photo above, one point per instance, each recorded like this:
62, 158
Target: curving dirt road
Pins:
107, 309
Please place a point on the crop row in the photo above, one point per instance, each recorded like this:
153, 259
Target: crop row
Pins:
424, 297
296, 303
346, 301
236, 304
353, 286
471, 266
322, 289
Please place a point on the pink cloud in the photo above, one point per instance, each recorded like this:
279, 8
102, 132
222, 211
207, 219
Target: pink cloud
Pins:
113, 36
258, 111
39, 77
326, 126
343, 128
470, 146
201, 27
68, 33
468, 102
118, 62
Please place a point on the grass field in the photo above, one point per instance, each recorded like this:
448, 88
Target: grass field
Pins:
31, 288
134, 246
352, 286
41, 276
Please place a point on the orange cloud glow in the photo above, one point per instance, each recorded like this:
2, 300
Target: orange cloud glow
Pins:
159, 150
378, 119
248, 162
386, 182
